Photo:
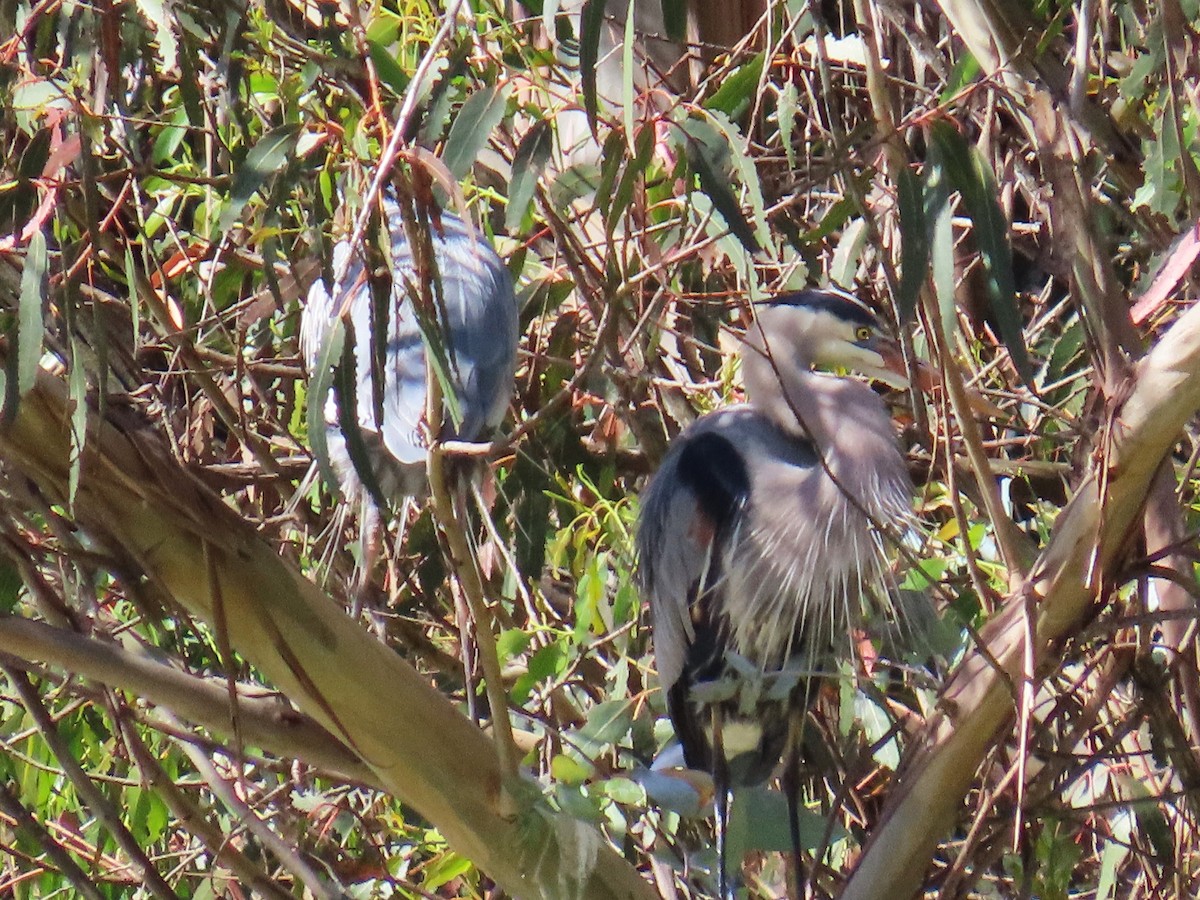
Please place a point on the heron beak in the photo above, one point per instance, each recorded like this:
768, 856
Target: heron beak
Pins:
892, 370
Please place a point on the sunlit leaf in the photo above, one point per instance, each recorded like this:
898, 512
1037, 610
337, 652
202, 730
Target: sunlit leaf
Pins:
528, 164
32, 301
472, 127
708, 155
737, 91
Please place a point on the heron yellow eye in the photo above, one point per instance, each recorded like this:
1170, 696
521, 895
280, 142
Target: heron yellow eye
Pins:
862, 333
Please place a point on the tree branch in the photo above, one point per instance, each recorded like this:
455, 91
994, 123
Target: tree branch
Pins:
265, 719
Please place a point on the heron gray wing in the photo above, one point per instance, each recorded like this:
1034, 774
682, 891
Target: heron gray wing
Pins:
480, 330
480, 333
482, 327
690, 514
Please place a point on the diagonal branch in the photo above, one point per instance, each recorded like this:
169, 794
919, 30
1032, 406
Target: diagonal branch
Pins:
266, 720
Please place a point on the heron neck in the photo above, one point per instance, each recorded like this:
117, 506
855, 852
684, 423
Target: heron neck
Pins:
846, 420
781, 385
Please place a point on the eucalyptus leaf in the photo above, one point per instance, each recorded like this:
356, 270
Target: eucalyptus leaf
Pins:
591, 20
472, 127
272, 152
30, 321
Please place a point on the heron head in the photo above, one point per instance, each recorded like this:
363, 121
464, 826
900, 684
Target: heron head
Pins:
829, 329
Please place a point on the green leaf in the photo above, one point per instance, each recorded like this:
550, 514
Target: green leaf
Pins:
634, 170
938, 210
591, 20
389, 71
472, 127
273, 151
611, 156
607, 723
761, 814
914, 243
737, 91
30, 323
445, 869
848, 254
77, 380
747, 173
528, 164
835, 217
10, 587
970, 173
628, 67
512, 642
708, 155
545, 663
965, 72
569, 770
785, 114
622, 790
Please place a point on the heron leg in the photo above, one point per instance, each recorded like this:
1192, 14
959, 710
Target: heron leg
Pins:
790, 782
722, 802
370, 527
728, 884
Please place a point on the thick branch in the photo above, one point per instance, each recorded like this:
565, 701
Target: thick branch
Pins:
265, 720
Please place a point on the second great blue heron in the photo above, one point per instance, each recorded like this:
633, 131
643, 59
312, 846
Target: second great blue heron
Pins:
476, 321
759, 542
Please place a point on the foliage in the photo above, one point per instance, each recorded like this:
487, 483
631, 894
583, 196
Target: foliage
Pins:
174, 177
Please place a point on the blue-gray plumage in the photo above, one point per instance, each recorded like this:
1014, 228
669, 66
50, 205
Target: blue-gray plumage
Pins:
478, 321
758, 543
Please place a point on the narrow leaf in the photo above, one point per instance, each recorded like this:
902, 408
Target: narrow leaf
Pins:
846, 257
472, 127
971, 175
627, 70
388, 70
590, 22
612, 154
643, 152
30, 322
785, 113
938, 213
747, 173
708, 156
528, 164
77, 381
738, 90
273, 151
914, 243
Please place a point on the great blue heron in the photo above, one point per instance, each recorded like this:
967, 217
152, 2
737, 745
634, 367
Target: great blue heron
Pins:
759, 540
476, 321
